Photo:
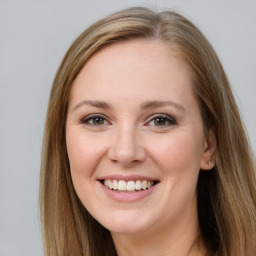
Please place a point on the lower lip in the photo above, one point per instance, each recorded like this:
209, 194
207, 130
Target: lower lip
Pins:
128, 196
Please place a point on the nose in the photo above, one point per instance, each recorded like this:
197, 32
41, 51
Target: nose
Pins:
126, 149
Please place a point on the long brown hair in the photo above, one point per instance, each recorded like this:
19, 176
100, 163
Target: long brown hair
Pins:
226, 195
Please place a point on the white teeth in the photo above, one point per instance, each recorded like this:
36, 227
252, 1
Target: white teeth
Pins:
121, 185
110, 184
144, 184
138, 185
130, 185
115, 184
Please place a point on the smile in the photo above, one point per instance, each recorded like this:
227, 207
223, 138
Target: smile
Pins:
130, 186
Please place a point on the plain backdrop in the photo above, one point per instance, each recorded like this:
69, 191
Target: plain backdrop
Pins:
34, 35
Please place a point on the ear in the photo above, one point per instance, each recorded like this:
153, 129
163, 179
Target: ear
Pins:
209, 150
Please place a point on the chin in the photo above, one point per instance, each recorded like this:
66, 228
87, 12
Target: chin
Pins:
126, 229
127, 223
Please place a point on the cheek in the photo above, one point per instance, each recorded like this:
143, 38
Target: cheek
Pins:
179, 154
179, 160
84, 152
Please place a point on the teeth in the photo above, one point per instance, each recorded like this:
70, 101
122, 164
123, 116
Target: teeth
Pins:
110, 184
149, 184
130, 185
138, 185
121, 185
144, 184
115, 184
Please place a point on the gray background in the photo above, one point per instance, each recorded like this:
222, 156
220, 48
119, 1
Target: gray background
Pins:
34, 36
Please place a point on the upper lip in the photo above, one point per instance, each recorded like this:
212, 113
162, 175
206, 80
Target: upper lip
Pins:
126, 177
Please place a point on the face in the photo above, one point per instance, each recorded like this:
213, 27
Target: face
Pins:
135, 138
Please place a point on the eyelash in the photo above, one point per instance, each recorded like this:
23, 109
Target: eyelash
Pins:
162, 117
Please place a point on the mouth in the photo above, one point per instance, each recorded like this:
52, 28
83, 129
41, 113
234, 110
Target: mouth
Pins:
128, 186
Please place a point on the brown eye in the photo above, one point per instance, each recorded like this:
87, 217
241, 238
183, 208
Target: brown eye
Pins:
94, 120
98, 121
161, 120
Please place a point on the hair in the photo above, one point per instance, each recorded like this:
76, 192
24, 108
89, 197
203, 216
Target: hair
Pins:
226, 195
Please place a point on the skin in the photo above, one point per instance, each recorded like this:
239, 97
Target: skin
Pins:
128, 139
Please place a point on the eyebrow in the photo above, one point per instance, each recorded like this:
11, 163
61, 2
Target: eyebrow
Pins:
158, 104
144, 106
93, 103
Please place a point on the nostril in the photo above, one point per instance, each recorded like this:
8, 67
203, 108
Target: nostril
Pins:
127, 157
126, 149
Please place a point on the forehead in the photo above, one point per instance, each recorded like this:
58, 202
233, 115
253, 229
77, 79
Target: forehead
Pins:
136, 51
137, 68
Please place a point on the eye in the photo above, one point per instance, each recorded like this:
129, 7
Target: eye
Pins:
95, 120
161, 120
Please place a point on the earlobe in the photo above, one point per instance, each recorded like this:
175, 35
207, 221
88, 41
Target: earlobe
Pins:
208, 156
211, 164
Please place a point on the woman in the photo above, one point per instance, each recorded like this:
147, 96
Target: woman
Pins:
144, 150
